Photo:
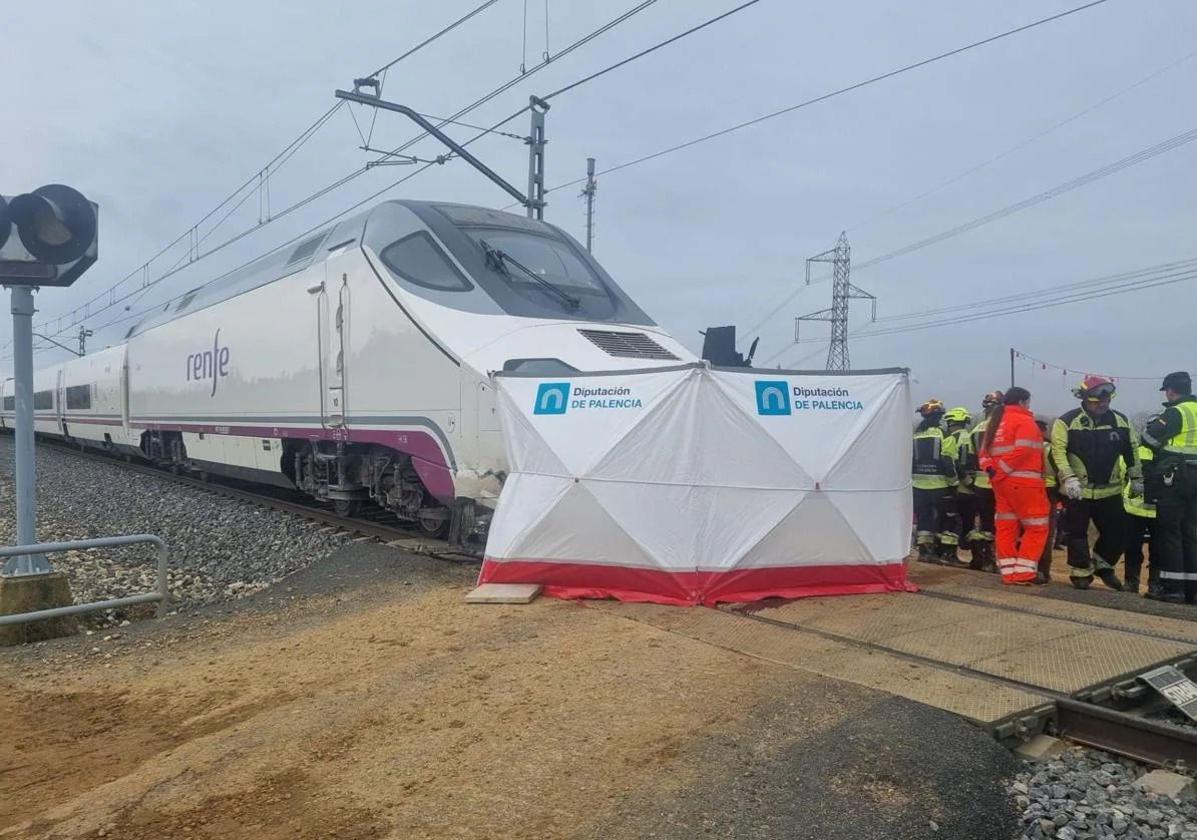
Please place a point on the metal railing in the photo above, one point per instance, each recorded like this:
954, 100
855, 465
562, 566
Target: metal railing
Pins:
162, 595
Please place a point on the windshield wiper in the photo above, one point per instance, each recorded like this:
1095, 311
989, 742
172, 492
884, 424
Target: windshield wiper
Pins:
499, 259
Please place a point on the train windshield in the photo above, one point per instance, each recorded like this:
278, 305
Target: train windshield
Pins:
543, 258
481, 260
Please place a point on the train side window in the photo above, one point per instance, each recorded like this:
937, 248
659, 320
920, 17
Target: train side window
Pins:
43, 400
418, 259
10, 403
78, 396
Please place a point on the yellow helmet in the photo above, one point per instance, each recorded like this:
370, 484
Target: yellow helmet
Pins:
958, 415
931, 407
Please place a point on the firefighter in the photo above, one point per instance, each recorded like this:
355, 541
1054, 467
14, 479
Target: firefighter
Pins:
958, 423
1011, 454
1173, 438
981, 537
1140, 515
933, 476
1051, 485
1086, 444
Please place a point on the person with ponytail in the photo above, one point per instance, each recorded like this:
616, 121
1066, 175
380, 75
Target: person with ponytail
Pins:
1011, 454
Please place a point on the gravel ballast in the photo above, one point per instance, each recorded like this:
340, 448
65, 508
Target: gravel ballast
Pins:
219, 548
1085, 794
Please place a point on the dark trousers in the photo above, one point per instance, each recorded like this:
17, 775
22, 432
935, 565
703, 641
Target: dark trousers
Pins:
1045, 559
1138, 535
984, 504
926, 515
1174, 535
935, 516
1109, 517
966, 506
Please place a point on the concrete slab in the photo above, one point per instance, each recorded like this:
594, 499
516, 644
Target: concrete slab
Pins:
1042, 650
1040, 748
28, 593
1039, 601
1166, 783
505, 593
979, 700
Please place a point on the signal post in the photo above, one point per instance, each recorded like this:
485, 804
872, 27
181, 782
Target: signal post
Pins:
47, 238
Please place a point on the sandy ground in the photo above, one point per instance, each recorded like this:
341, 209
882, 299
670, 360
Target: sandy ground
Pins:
367, 700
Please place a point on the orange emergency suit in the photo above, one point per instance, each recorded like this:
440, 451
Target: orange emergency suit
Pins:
1014, 460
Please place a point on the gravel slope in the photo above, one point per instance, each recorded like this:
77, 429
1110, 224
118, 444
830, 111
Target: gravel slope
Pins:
220, 548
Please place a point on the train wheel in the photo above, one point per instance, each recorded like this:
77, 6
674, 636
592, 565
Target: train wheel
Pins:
346, 507
434, 526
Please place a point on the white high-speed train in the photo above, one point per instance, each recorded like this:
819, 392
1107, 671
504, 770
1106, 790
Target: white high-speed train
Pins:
355, 366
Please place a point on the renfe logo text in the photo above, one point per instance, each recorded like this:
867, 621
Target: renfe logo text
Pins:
210, 364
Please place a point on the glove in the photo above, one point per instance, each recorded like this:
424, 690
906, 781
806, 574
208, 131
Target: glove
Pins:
1072, 487
1136, 486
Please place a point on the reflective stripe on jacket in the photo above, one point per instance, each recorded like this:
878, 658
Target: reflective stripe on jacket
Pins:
1138, 505
964, 467
933, 459
1184, 443
1016, 451
1089, 449
1049, 469
980, 477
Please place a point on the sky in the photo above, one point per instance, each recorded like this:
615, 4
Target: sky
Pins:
158, 111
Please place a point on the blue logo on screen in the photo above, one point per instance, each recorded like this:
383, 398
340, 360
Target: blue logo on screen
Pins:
772, 397
551, 398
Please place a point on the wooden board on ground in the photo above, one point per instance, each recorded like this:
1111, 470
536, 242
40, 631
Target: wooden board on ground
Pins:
504, 593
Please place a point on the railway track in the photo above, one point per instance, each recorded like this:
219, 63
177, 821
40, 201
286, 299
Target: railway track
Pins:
383, 528
1115, 716
1120, 715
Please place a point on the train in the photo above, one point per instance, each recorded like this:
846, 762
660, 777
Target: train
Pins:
356, 366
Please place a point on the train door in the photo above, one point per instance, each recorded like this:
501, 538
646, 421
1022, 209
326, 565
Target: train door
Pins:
124, 388
333, 329
60, 403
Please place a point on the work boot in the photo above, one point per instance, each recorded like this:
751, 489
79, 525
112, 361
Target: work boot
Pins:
1131, 584
949, 557
1110, 579
1081, 582
977, 559
1041, 579
926, 553
1156, 592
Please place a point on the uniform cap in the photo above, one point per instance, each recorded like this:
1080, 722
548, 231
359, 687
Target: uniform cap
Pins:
1178, 381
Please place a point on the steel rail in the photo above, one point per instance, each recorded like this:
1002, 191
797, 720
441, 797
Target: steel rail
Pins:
1076, 719
374, 530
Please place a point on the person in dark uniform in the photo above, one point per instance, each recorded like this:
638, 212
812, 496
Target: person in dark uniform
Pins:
1172, 486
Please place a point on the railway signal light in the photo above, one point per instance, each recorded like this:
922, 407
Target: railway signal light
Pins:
48, 237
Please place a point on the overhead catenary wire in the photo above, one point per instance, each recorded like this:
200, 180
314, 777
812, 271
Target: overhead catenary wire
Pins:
274, 164
1150, 277
1168, 145
649, 50
436, 35
1141, 156
346, 178
585, 39
84, 310
838, 92
1024, 143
